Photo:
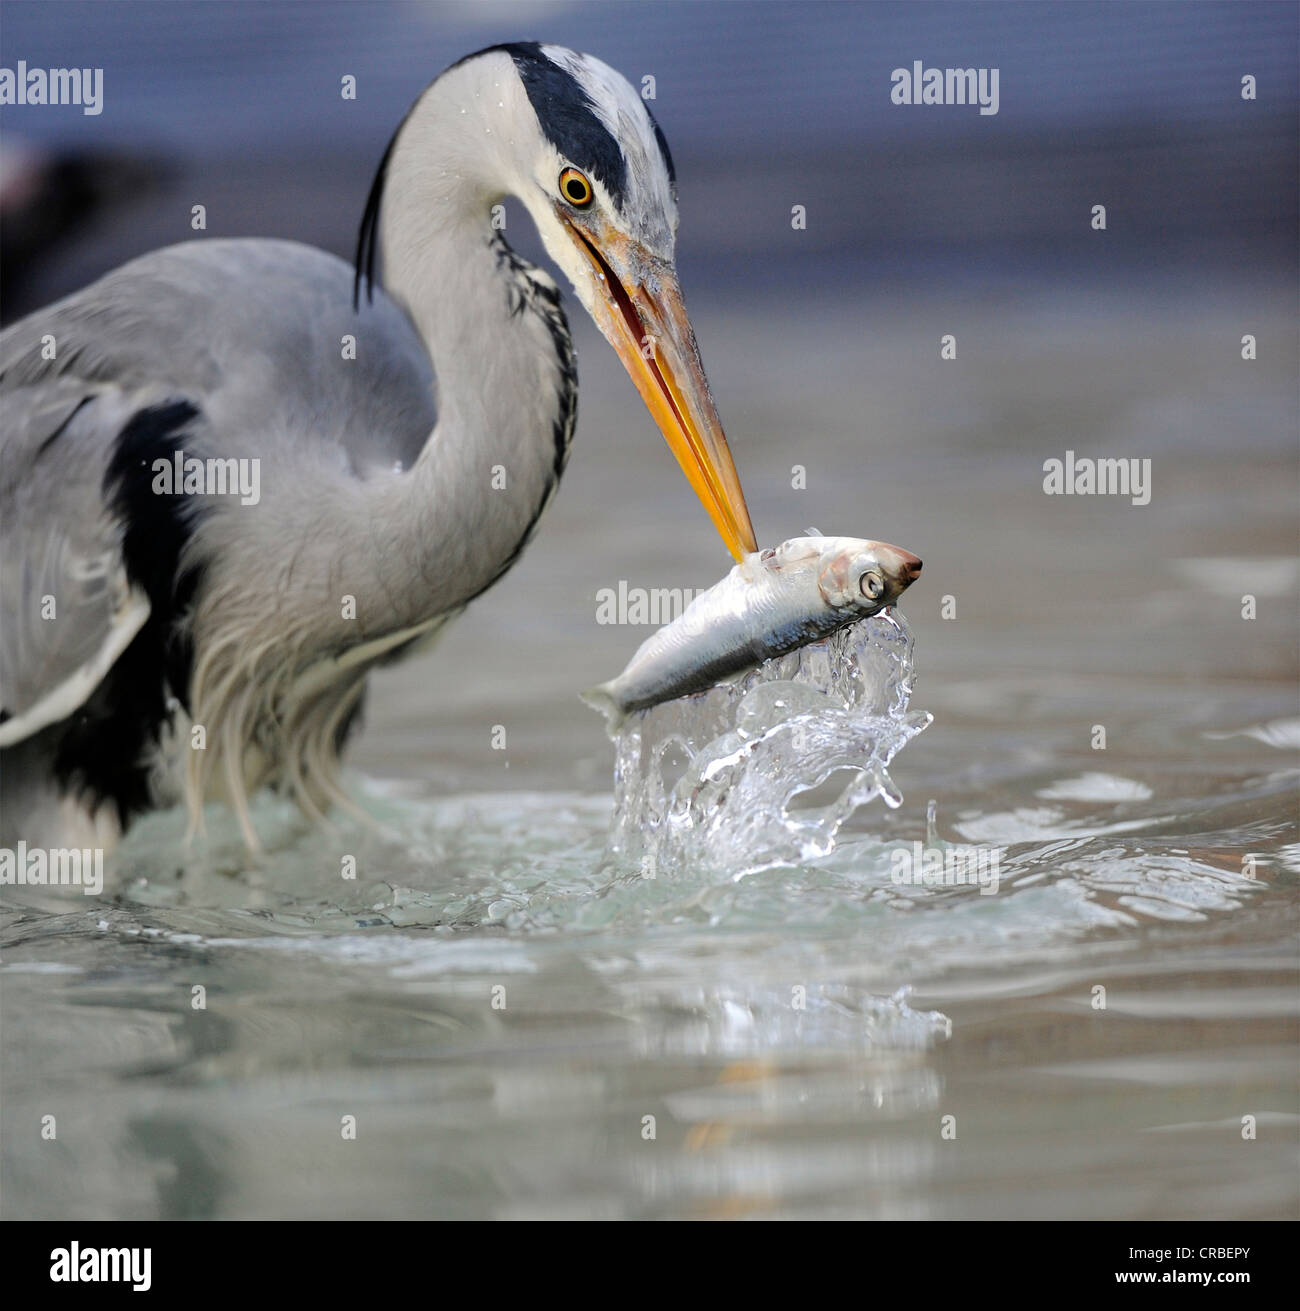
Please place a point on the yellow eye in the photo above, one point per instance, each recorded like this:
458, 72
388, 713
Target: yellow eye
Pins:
575, 188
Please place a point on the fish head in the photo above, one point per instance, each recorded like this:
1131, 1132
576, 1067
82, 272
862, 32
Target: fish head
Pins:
865, 576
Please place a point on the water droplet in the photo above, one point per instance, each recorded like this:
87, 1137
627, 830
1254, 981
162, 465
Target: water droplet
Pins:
839, 706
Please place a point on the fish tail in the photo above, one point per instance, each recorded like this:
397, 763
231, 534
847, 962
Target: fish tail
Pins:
602, 698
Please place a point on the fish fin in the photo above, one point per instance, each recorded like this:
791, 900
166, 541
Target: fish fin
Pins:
811, 532
602, 699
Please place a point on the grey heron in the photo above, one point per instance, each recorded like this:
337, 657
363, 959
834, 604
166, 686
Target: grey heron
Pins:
165, 638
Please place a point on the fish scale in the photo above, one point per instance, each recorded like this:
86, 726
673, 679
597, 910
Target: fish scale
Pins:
772, 602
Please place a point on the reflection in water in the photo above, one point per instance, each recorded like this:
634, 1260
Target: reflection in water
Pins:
522, 1028
500, 1006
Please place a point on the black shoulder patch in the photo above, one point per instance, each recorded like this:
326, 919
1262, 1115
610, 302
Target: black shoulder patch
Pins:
156, 528
103, 748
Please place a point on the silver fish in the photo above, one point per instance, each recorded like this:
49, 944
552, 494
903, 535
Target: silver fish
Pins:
772, 602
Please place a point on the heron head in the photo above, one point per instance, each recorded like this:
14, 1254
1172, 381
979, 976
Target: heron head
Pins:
578, 146
598, 181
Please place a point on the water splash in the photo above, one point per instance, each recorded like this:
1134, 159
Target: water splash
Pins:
714, 779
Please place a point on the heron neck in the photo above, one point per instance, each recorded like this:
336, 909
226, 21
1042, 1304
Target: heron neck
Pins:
507, 385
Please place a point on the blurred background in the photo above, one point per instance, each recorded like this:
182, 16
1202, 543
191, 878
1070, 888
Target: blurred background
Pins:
1037, 619
765, 104
822, 344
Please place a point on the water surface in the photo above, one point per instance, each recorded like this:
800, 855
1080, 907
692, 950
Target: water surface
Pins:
523, 1026
800, 1034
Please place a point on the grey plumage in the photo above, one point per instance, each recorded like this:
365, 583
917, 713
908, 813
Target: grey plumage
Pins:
160, 641
152, 331
263, 364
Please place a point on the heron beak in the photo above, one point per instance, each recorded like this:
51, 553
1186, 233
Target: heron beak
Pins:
638, 306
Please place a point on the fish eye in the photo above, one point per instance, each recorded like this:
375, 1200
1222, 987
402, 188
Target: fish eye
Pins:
872, 584
575, 188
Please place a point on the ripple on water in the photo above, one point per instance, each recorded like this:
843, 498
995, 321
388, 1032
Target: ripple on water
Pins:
708, 838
